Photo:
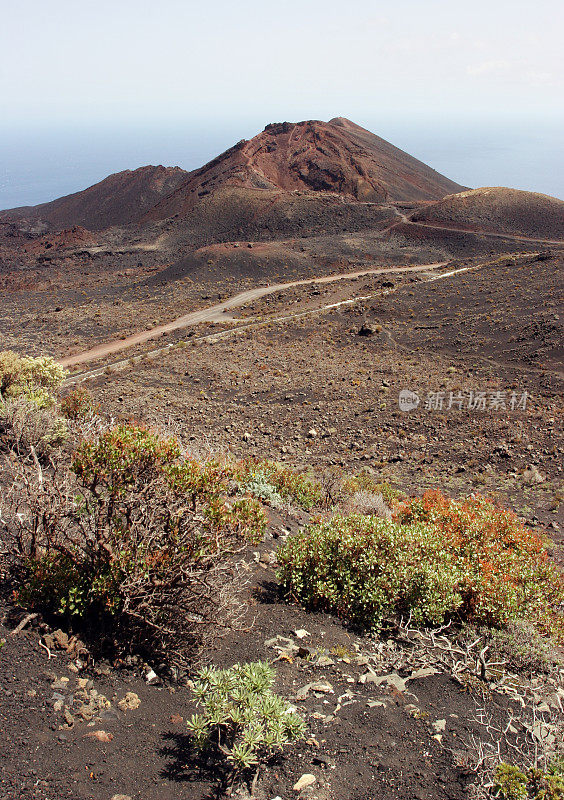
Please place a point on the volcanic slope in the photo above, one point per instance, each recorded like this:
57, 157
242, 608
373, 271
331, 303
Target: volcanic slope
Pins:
499, 210
336, 156
117, 200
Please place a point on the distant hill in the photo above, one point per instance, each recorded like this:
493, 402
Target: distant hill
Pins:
498, 209
317, 158
117, 200
336, 156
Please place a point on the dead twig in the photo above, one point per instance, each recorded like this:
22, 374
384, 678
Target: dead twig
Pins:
23, 623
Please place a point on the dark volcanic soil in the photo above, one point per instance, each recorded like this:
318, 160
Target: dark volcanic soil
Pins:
313, 380
363, 743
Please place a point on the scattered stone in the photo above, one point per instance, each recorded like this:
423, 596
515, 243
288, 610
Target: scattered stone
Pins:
306, 780
94, 704
68, 717
366, 330
375, 704
312, 433
100, 736
424, 672
58, 639
532, 475
303, 693
279, 642
121, 797
109, 715
324, 661
151, 678
392, 680
301, 633
130, 702
439, 725
322, 687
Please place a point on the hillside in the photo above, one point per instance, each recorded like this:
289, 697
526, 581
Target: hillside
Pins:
312, 157
117, 200
498, 209
336, 156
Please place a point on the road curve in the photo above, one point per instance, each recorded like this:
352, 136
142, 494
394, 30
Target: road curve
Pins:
215, 313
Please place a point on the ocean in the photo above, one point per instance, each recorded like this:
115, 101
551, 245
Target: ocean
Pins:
41, 164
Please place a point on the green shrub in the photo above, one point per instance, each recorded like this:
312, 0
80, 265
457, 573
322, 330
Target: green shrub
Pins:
366, 569
545, 785
135, 537
437, 559
288, 484
510, 783
33, 378
242, 720
27, 417
257, 484
505, 572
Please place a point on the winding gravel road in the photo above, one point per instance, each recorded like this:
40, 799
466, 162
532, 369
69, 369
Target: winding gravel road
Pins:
216, 313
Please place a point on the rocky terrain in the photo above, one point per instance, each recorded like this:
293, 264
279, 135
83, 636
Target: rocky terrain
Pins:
277, 303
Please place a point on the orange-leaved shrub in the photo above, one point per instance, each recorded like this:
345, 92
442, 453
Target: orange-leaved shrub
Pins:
78, 404
505, 571
438, 559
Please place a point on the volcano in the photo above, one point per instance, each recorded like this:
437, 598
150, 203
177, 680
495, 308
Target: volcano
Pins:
337, 158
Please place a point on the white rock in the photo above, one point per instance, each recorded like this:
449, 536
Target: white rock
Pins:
151, 677
306, 780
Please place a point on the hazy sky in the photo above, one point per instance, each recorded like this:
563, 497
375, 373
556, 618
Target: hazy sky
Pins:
221, 65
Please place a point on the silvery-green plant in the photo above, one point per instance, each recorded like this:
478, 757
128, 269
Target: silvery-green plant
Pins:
259, 486
241, 716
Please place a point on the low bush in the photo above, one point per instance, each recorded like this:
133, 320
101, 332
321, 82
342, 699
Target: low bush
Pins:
242, 721
365, 482
135, 539
366, 569
505, 570
438, 558
36, 379
510, 783
28, 420
519, 645
78, 404
269, 477
367, 503
27, 427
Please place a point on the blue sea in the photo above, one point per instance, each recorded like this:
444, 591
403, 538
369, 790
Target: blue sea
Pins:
42, 163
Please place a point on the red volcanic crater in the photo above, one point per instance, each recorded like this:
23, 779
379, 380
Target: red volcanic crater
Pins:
336, 156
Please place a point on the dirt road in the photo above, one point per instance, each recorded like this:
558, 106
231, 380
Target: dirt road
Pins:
216, 313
